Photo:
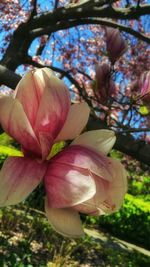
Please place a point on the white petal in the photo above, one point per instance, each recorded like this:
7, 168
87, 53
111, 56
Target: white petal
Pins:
117, 188
101, 140
65, 221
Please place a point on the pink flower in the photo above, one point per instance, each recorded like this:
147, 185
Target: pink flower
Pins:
115, 44
144, 85
40, 112
105, 86
78, 179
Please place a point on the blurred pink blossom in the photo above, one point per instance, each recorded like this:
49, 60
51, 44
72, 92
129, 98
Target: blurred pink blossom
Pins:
105, 86
144, 85
115, 44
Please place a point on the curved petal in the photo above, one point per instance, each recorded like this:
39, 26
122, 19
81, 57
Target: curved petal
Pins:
18, 178
14, 121
29, 95
117, 188
76, 121
91, 206
67, 186
69, 179
85, 158
65, 221
52, 112
101, 140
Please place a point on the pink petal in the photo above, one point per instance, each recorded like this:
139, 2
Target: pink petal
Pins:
29, 95
14, 121
101, 140
52, 112
91, 206
18, 178
69, 180
85, 158
67, 186
64, 221
117, 188
76, 121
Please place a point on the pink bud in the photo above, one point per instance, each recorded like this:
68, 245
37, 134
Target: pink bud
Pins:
115, 44
134, 87
144, 84
105, 86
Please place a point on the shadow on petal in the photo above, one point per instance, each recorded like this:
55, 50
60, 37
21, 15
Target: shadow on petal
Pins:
65, 221
18, 178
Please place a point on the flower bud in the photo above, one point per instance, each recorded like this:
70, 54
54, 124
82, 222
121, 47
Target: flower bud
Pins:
105, 86
144, 84
115, 44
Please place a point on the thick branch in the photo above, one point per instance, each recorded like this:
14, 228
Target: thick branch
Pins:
69, 24
78, 12
66, 17
8, 77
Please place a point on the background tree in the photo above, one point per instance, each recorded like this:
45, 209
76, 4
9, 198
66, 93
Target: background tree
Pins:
79, 41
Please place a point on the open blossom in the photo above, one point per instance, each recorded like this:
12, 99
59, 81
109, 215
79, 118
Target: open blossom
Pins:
81, 178
115, 44
105, 86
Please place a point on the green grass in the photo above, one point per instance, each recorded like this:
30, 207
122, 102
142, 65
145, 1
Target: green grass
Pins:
27, 240
131, 222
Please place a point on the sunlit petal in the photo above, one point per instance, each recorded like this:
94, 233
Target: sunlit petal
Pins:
29, 95
117, 188
65, 221
67, 186
18, 178
76, 121
101, 140
91, 206
85, 158
53, 110
15, 122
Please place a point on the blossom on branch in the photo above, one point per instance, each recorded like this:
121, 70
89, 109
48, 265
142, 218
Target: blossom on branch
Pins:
116, 46
105, 86
144, 85
80, 178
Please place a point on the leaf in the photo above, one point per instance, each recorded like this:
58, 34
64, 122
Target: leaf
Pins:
8, 151
144, 110
55, 149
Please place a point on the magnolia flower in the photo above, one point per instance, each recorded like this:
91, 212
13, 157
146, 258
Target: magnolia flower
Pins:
115, 44
144, 85
105, 86
78, 179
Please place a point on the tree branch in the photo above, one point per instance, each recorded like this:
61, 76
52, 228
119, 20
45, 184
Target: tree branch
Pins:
79, 11
69, 24
8, 77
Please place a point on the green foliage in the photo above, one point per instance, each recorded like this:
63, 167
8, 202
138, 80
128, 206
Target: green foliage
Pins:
139, 187
5, 140
7, 148
56, 148
144, 110
31, 242
131, 222
116, 154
